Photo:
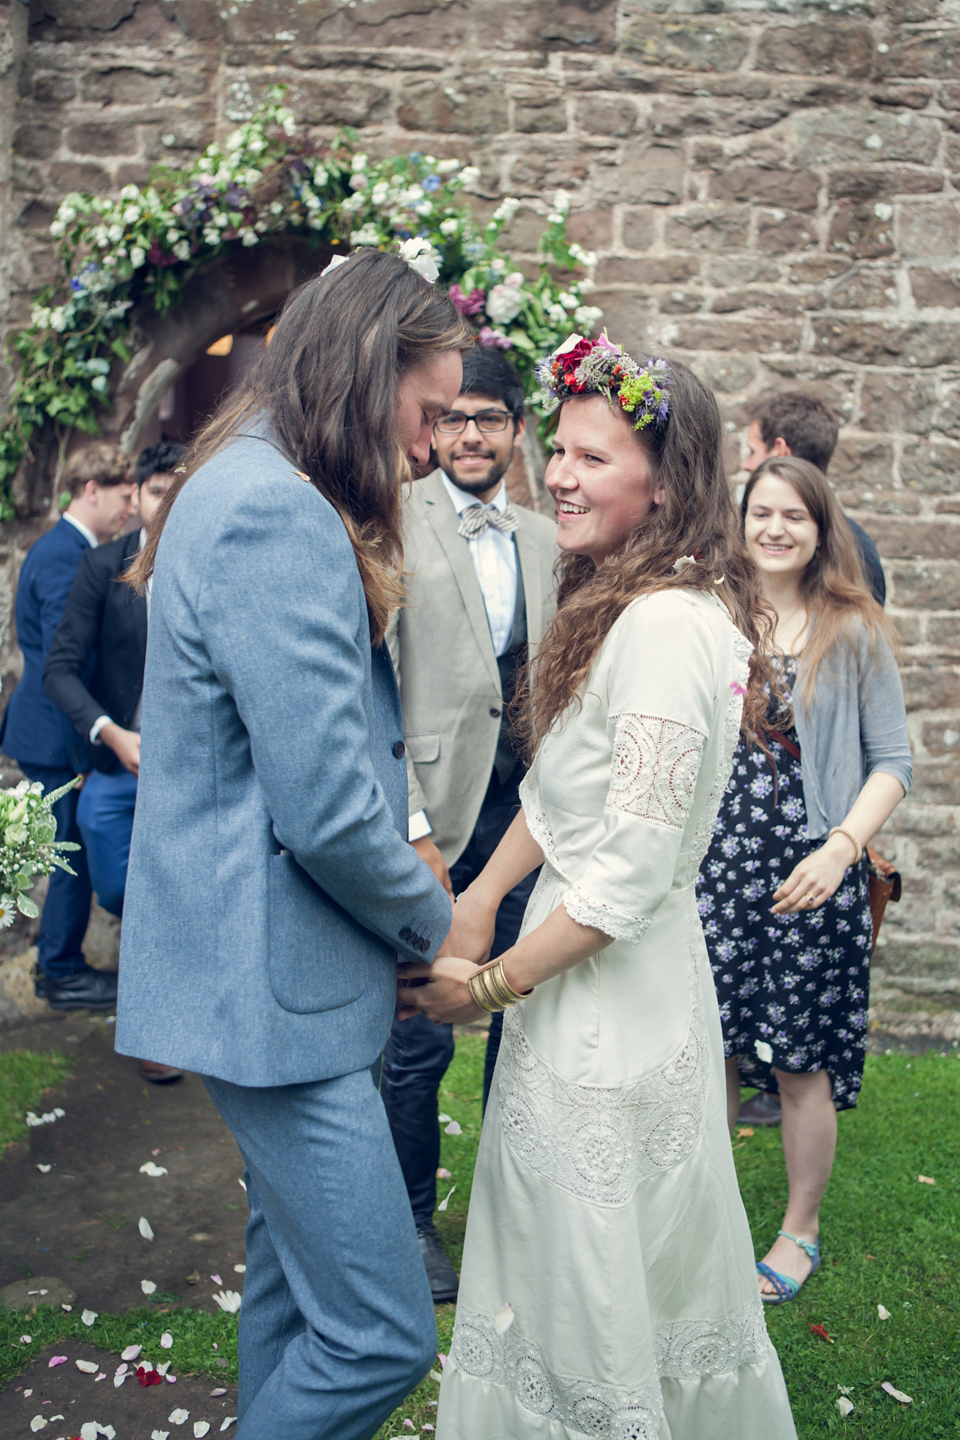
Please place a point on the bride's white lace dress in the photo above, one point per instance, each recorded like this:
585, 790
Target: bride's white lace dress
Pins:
605, 1205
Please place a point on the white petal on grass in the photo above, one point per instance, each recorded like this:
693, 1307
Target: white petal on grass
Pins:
131, 1352
177, 1417
926, 1180
89, 1430
240, 1269
242, 1183
145, 1228
68, 1308
160, 1435
38, 1423
446, 1199
149, 1168
107, 1431
452, 1129
230, 1420
201, 1428
883, 1312
87, 1366
148, 1286
228, 1300
164, 1367
118, 1380
443, 1118
44, 1169
170, 1379
897, 1394
166, 1340
844, 1405
25, 1339
88, 1317
503, 1319
219, 1391
435, 1375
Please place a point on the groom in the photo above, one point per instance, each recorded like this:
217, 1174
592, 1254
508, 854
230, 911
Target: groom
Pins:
270, 885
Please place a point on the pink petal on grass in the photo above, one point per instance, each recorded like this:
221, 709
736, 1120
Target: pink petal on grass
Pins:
57, 1360
409, 1425
442, 1358
444, 1174
170, 1379
452, 1129
131, 1352
166, 1340
25, 1339
216, 1279
101, 1376
897, 1394
219, 1391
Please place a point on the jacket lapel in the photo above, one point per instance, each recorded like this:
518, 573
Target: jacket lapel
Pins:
445, 523
137, 602
528, 558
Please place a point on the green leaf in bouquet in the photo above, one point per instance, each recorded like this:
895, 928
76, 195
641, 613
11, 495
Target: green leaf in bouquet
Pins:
46, 832
27, 907
56, 795
69, 845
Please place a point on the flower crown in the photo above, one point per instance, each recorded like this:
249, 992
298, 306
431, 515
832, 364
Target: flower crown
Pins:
586, 367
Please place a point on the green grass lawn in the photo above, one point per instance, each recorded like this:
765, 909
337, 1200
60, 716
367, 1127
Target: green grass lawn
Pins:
24, 1080
887, 1240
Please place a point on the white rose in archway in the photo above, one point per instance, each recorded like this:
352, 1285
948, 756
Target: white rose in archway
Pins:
504, 303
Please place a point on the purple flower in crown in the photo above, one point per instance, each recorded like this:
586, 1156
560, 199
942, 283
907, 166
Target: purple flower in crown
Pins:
471, 304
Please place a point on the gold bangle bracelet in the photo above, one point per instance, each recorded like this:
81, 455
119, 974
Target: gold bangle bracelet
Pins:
492, 990
477, 990
839, 830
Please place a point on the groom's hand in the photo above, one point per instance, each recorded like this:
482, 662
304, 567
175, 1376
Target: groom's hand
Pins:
446, 994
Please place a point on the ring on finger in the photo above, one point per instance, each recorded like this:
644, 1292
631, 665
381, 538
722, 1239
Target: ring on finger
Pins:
811, 900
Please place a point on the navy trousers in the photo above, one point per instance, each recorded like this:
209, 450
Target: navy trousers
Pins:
418, 1052
105, 816
337, 1324
66, 910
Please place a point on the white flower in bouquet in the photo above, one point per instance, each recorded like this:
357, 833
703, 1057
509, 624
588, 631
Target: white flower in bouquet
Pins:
28, 845
504, 303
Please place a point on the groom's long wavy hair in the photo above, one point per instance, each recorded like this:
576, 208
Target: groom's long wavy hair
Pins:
328, 384
698, 518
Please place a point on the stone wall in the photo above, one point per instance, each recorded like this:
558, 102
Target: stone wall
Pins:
771, 191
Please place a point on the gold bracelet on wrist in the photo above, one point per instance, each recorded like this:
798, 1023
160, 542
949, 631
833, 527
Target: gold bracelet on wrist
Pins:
839, 830
492, 990
479, 994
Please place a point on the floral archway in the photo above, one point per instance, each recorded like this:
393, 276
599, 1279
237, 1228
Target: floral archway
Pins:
99, 351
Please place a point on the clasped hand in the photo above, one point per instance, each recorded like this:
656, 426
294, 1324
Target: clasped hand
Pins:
815, 879
442, 991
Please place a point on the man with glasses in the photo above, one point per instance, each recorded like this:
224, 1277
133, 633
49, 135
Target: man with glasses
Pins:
479, 594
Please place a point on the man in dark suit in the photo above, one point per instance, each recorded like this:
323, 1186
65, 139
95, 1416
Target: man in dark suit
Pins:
43, 741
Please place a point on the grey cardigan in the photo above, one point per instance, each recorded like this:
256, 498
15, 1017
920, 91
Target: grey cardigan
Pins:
856, 725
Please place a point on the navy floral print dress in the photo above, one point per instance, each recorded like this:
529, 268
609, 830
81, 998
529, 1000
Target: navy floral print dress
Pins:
792, 989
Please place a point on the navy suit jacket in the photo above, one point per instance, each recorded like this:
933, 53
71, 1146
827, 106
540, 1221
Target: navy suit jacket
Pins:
270, 884
33, 730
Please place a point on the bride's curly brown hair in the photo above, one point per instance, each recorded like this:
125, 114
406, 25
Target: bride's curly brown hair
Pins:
697, 518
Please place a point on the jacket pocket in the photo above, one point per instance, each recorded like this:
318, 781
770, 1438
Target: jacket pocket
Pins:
318, 957
423, 748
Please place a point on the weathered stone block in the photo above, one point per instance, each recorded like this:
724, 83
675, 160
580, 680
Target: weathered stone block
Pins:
750, 335
680, 302
539, 109
874, 343
729, 373
639, 228
925, 585
780, 231
822, 48
730, 270
784, 302
628, 318
870, 502
649, 173
616, 74
708, 227
883, 183
861, 460
331, 57
914, 97
898, 402
52, 88
947, 414
675, 119
865, 289
935, 287
815, 269
835, 137
538, 171
591, 228
599, 115
929, 228
126, 85
36, 216
355, 102
36, 141
932, 466
682, 44
74, 19
791, 189
102, 139
927, 55
942, 630
858, 230
79, 175
665, 270
937, 783
905, 539
931, 687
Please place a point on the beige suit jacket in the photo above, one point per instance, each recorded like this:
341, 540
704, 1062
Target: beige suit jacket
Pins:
443, 654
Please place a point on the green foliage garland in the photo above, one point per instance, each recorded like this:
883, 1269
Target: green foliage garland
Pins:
268, 178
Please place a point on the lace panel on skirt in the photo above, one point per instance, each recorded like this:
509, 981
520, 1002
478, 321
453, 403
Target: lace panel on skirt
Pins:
599, 1142
688, 1348
606, 1412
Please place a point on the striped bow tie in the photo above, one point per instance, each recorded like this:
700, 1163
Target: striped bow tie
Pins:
475, 519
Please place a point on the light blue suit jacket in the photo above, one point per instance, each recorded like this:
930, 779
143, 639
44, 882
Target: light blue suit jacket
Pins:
270, 884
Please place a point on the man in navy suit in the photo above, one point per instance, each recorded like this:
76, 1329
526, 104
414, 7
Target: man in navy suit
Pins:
39, 737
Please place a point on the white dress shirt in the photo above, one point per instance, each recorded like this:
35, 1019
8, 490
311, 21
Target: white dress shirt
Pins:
87, 533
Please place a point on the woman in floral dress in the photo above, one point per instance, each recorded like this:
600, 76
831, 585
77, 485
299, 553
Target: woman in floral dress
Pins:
783, 890
608, 1285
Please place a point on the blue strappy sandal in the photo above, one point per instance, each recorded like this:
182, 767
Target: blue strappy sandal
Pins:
785, 1286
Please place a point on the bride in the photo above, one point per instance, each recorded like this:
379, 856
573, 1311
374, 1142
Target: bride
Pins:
608, 1285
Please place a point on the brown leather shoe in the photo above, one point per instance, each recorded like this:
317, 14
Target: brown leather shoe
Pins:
159, 1074
760, 1109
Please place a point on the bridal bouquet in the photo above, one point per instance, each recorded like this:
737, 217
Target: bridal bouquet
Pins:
28, 845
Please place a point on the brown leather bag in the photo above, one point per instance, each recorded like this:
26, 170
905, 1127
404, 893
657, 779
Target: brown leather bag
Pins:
884, 882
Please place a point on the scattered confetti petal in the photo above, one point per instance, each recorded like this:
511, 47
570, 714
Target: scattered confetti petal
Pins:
897, 1394
443, 1119
177, 1417
145, 1228
38, 1423
820, 1331
744, 1132
101, 1376
148, 1286
160, 1435
242, 1183
118, 1380
27, 1394
926, 1180
431, 1428
164, 1367
201, 1427
88, 1317
883, 1312
89, 1430
452, 1129
409, 1425
170, 1379
844, 1405
68, 1308
87, 1366
444, 1174
216, 1279
446, 1199
154, 1152
56, 1360
230, 1420
149, 1168
240, 1269
146, 1375
228, 1300
131, 1352
442, 1358
764, 1051
166, 1340
25, 1340
44, 1169
219, 1391
503, 1319
435, 1375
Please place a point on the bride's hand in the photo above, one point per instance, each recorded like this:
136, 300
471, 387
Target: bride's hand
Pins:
471, 933
446, 995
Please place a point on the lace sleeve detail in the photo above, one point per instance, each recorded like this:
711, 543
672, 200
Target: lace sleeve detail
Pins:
655, 768
616, 923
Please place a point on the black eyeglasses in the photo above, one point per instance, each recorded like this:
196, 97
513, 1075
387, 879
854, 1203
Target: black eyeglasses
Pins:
487, 421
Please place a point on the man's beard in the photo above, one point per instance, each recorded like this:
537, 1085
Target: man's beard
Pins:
474, 484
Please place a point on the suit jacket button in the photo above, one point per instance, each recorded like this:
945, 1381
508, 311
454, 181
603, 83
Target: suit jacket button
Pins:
405, 933
399, 749
494, 712
424, 945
